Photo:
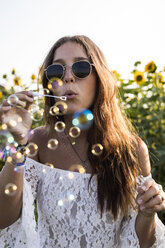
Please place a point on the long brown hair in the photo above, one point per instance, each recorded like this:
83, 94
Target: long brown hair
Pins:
117, 167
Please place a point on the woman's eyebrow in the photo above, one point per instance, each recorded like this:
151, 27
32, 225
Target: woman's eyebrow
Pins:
74, 59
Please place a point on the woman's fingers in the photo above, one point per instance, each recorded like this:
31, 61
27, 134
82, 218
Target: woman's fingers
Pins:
151, 197
19, 99
146, 185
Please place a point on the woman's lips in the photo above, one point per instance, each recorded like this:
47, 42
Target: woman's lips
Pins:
70, 96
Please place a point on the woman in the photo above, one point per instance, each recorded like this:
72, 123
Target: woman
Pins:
112, 204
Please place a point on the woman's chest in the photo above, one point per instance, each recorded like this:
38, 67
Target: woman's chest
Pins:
65, 156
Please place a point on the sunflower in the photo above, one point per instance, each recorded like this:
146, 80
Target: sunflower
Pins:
17, 81
33, 77
4, 76
1, 94
13, 72
158, 76
116, 74
150, 67
164, 68
139, 77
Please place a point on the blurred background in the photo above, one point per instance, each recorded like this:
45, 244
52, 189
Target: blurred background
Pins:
126, 31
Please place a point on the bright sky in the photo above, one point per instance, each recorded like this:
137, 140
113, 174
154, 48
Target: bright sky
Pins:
125, 30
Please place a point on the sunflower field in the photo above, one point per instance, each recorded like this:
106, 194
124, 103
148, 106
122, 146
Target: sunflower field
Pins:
143, 99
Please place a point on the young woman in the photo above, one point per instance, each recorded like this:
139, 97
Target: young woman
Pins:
112, 204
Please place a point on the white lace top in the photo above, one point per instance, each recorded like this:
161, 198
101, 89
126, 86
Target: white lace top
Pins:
67, 214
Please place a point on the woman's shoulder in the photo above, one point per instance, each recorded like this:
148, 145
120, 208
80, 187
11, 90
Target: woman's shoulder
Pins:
37, 134
143, 157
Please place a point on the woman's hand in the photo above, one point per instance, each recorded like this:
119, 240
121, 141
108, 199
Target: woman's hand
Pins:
150, 198
17, 118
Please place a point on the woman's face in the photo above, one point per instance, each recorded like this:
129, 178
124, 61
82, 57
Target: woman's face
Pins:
81, 91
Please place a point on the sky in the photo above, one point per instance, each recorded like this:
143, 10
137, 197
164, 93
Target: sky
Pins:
126, 31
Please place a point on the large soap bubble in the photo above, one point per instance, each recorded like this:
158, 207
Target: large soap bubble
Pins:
83, 119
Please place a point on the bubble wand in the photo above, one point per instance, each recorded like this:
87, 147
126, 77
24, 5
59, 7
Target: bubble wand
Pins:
63, 98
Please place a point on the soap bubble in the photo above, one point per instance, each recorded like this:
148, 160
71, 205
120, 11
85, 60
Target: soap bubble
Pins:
83, 119
53, 110
59, 126
13, 100
52, 144
54, 84
31, 149
77, 168
24, 150
9, 159
45, 91
97, 149
36, 112
74, 132
12, 123
62, 107
50, 165
60, 203
10, 189
7, 143
4, 126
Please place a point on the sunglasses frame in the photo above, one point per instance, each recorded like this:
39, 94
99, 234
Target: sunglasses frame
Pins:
65, 66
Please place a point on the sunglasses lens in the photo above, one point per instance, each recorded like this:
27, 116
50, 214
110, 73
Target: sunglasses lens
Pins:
54, 71
81, 69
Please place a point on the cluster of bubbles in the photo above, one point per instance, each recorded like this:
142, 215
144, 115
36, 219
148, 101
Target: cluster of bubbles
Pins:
59, 108
81, 120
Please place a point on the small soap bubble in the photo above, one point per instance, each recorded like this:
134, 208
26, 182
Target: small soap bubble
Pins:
59, 126
54, 110
24, 150
12, 123
36, 112
4, 127
19, 119
54, 84
83, 119
44, 170
77, 168
10, 139
70, 175
12, 100
38, 115
71, 197
97, 149
62, 107
74, 132
60, 203
9, 159
52, 144
10, 189
50, 165
6, 142
46, 91
31, 149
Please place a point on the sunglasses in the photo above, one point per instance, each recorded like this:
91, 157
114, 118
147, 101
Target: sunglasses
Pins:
80, 69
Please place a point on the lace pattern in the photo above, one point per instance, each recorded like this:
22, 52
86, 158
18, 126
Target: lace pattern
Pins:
68, 214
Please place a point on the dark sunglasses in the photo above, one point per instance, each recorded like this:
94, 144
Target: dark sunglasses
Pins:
80, 69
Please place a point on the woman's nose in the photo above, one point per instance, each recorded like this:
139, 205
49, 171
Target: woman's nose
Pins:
68, 76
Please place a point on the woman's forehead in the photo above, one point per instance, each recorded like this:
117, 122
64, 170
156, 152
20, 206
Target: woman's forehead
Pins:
70, 50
